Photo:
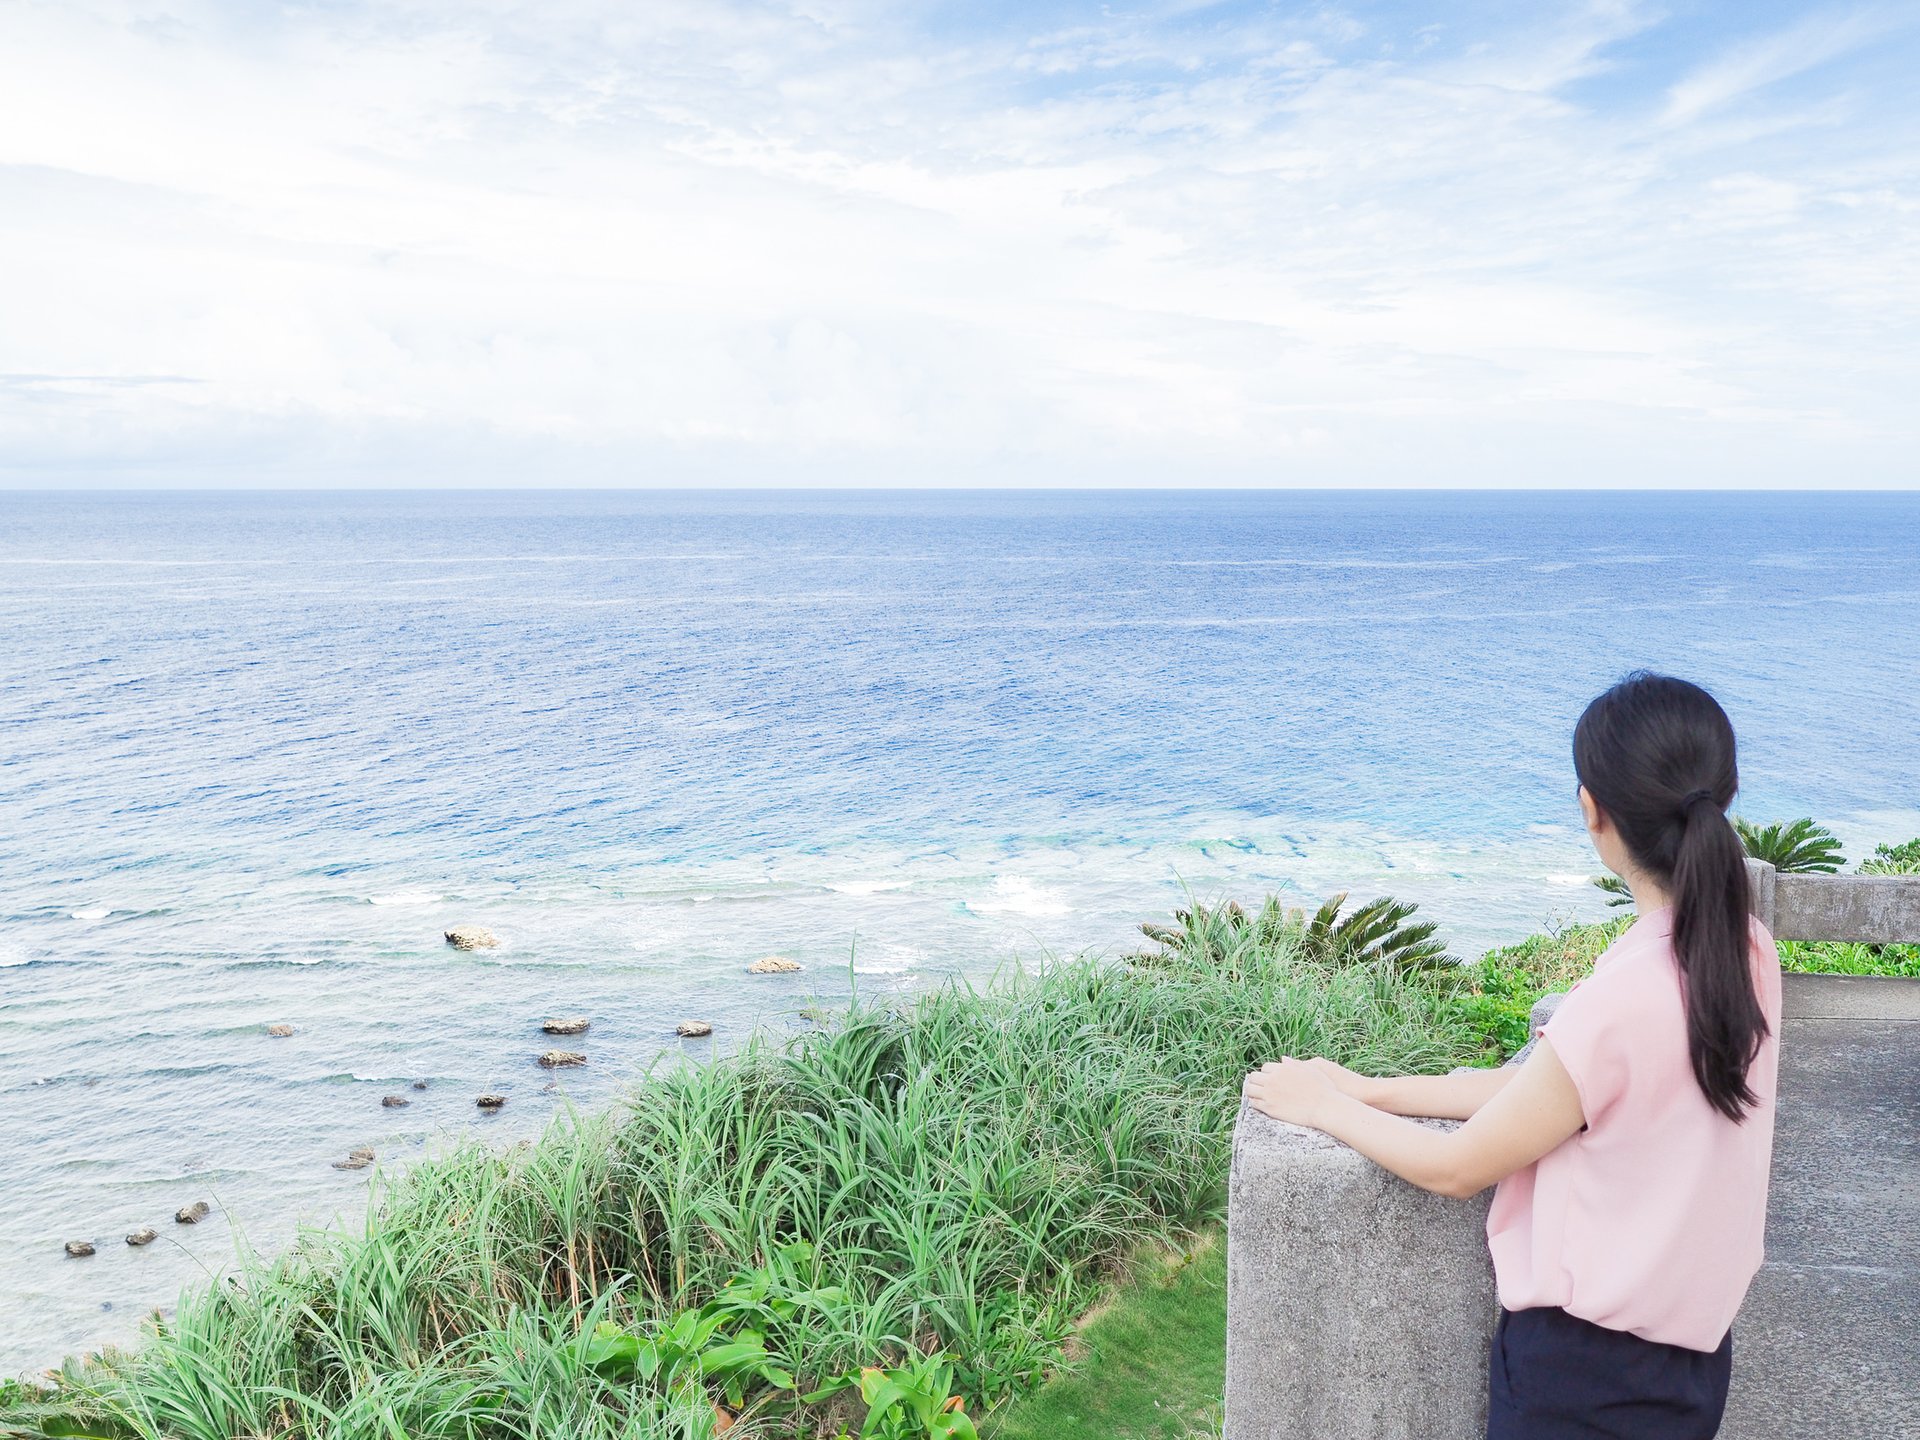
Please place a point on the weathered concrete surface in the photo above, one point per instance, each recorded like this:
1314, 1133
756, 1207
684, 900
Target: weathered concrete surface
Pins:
1827, 1346
1358, 1306
1879, 909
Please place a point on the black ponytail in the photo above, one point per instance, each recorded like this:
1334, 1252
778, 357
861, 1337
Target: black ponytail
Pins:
1657, 755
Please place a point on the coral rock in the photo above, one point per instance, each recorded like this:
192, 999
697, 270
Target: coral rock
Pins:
279, 1032
565, 1027
692, 1029
145, 1235
192, 1214
773, 965
559, 1059
472, 937
79, 1248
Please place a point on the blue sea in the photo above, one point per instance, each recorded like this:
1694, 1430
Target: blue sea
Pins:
258, 751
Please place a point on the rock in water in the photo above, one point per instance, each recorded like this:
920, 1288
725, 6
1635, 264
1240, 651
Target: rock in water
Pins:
491, 1102
145, 1235
566, 1027
472, 937
351, 1163
192, 1214
395, 1102
79, 1249
560, 1059
773, 965
279, 1032
419, 1084
360, 1152
692, 1029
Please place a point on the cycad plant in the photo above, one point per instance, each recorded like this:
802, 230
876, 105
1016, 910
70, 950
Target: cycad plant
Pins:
1225, 937
1797, 847
1378, 932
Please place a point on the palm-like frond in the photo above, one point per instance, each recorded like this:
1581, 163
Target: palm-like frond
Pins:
1377, 932
1799, 847
1616, 889
1226, 937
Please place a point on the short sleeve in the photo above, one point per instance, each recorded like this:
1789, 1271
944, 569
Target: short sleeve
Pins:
1589, 1035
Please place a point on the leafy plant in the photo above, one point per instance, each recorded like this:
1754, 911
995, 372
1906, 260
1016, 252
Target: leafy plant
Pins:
1902, 859
1797, 847
723, 1342
914, 1400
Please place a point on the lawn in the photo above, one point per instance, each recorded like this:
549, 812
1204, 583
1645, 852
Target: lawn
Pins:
1150, 1364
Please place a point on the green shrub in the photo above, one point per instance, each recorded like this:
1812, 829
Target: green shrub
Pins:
1902, 859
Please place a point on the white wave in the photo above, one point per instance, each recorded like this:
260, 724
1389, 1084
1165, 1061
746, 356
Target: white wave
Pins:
95, 912
12, 957
865, 887
1569, 881
1017, 895
406, 897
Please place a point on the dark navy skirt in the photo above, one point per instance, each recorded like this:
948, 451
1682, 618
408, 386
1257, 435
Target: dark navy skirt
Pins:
1553, 1376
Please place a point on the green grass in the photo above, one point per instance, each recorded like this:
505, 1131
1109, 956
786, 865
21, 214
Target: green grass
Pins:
1832, 957
970, 1170
1149, 1365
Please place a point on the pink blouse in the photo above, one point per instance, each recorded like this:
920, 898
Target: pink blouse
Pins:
1650, 1219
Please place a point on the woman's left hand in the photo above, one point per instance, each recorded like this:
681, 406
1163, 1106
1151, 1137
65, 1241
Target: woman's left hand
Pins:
1290, 1090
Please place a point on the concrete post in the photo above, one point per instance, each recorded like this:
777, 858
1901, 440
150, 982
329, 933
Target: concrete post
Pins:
1359, 1307
1760, 877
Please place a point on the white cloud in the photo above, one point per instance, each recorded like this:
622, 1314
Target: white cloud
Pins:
587, 244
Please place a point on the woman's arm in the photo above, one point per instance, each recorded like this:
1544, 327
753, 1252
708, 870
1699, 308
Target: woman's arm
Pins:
1458, 1096
1526, 1117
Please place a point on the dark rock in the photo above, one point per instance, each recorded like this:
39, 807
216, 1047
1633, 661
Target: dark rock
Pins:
562, 1059
574, 1026
395, 1102
192, 1214
419, 1084
79, 1249
145, 1235
491, 1102
352, 1162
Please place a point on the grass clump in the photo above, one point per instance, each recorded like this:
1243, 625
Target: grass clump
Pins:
890, 1223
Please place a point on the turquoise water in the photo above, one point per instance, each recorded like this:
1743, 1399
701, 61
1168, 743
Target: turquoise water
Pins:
260, 750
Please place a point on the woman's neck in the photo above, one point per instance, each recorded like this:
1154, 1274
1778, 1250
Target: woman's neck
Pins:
1648, 894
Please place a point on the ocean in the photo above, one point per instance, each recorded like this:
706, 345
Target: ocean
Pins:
258, 751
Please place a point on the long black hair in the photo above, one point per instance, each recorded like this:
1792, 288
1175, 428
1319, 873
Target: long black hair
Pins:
1657, 756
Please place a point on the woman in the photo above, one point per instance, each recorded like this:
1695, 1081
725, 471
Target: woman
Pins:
1631, 1149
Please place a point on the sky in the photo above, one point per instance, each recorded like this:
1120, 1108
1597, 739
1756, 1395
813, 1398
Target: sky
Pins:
473, 242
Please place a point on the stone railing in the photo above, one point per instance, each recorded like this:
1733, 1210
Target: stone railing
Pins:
1361, 1308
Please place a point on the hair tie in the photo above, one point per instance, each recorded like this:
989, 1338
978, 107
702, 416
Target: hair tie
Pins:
1693, 798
